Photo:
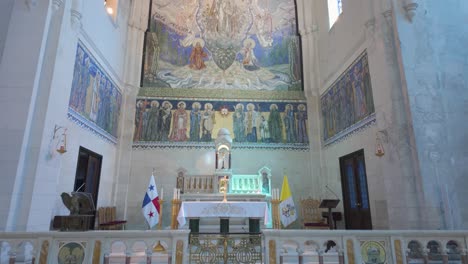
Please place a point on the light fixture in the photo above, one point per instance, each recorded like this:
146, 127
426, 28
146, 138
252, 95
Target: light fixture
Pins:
109, 10
61, 146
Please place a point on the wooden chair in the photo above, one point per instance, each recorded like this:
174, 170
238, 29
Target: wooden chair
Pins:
312, 214
107, 221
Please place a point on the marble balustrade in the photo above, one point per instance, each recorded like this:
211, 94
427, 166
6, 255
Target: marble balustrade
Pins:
280, 246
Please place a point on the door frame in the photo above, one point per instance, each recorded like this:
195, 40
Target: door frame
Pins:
344, 185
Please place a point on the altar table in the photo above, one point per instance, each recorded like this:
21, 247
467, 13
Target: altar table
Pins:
222, 210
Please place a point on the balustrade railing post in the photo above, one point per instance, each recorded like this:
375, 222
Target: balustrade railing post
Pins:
106, 258
463, 256
12, 257
445, 257
340, 256
300, 257
149, 255
320, 256
426, 256
128, 257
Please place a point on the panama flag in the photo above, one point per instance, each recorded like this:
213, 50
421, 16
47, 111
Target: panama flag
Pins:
288, 213
150, 207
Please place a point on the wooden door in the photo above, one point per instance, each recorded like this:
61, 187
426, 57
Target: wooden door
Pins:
88, 173
355, 193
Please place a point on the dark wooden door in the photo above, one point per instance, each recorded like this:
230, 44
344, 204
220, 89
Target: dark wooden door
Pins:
88, 173
355, 193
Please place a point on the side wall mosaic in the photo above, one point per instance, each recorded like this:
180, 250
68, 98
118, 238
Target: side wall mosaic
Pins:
348, 104
95, 101
164, 122
223, 44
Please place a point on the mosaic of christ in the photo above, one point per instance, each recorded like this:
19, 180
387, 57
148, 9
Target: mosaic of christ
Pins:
223, 44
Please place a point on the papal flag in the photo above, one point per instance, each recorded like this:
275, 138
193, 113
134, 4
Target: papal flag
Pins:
288, 213
150, 206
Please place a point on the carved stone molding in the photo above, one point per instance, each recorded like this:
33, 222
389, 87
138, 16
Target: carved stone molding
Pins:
370, 27
410, 9
31, 3
388, 15
56, 4
308, 30
75, 20
76, 15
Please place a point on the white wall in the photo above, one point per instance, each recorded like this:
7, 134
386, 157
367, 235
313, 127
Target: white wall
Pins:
22, 56
46, 177
435, 60
363, 26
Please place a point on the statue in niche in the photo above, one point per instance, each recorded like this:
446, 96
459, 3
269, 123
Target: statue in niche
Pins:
265, 183
180, 181
223, 159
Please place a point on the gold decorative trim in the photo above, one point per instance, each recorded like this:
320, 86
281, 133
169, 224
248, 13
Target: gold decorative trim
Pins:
350, 250
398, 253
179, 252
97, 252
220, 93
272, 246
44, 252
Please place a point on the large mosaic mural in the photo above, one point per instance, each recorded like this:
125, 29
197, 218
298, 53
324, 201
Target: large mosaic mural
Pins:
348, 104
164, 122
95, 100
223, 44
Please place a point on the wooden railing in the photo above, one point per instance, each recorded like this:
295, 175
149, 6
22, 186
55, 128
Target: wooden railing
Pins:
277, 246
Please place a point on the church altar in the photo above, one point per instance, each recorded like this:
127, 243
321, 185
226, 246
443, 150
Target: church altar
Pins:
204, 209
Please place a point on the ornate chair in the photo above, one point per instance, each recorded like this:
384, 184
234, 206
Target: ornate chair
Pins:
312, 214
107, 221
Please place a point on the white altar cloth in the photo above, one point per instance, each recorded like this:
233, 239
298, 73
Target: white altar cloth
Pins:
222, 209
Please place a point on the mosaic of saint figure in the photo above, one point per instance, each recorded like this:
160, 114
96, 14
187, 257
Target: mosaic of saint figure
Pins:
301, 116
195, 122
152, 128
179, 123
238, 122
275, 124
251, 123
290, 124
197, 56
164, 121
208, 121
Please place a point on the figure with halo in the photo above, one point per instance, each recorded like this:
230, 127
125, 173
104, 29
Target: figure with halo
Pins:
197, 55
249, 58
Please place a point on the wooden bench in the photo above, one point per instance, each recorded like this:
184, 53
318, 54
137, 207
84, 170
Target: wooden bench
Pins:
107, 221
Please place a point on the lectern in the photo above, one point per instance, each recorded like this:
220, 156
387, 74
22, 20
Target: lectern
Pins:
329, 204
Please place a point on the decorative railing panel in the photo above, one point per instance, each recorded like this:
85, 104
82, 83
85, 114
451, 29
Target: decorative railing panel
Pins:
229, 248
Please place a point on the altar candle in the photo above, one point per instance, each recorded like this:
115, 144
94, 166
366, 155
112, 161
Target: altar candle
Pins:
162, 193
178, 194
174, 194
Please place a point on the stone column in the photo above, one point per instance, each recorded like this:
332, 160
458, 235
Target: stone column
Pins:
136, 28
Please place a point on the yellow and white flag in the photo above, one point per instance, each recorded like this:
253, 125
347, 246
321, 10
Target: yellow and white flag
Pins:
288, 213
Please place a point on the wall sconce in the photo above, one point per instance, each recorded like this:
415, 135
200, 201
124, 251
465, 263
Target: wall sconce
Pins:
379, 148
410, 7
61, 146
109, 8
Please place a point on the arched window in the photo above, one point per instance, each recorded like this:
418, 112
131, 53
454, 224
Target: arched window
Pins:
335, 8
